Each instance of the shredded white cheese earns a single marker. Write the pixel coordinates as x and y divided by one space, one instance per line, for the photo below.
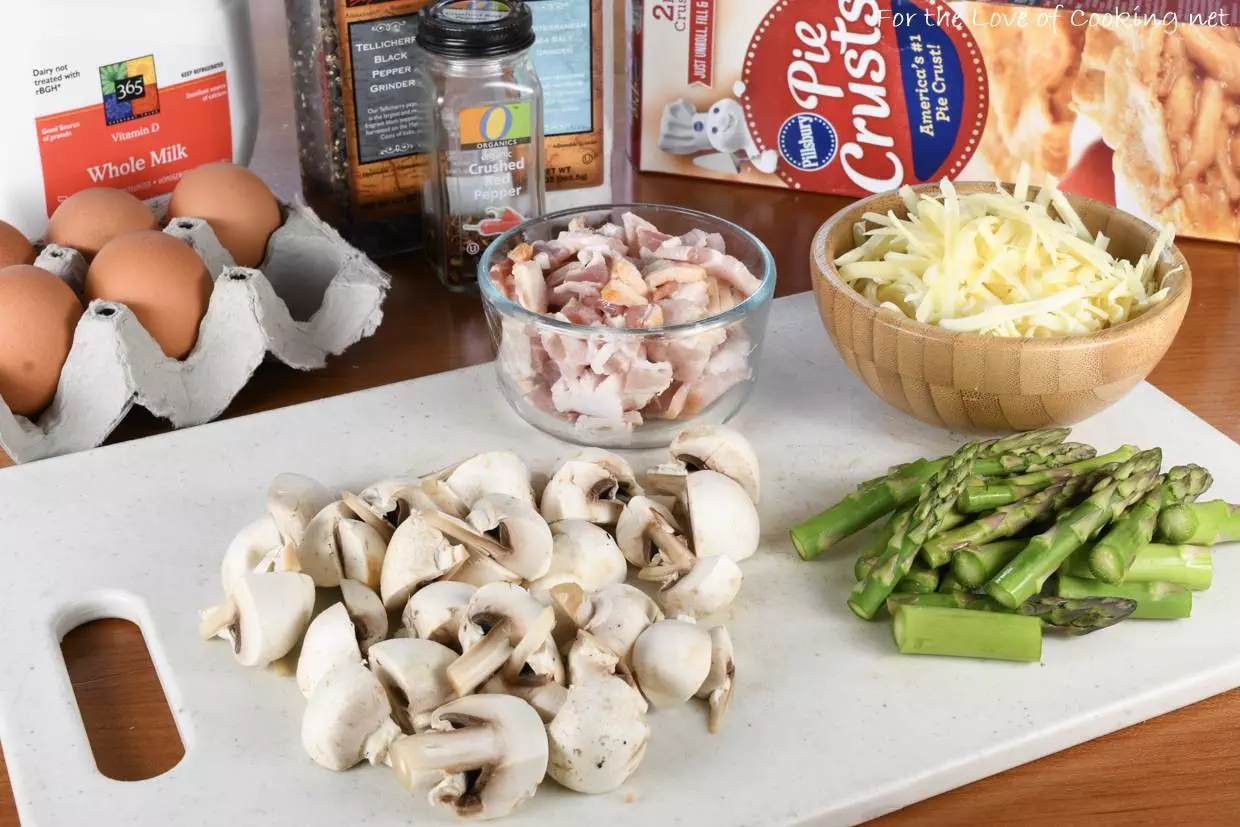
999 264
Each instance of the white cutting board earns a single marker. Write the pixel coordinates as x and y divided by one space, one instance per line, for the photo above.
829 724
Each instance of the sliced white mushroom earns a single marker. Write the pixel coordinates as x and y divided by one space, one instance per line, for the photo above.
264 617
668 478
330 642
592 486
495 472
532 657
671 661
709 587
248 549
360 511
479 570
348 720
517 527
319 550
546 698
722 518
651 539
572 607
293 501
395 498
442 497
492 750
362 549
717 688
436 610
721 449
619 615
599 737
417 555
366 610
584 554
415 675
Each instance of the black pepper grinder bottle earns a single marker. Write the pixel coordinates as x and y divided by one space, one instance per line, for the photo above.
486 146
363 118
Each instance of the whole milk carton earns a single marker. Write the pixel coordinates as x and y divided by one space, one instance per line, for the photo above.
1136 105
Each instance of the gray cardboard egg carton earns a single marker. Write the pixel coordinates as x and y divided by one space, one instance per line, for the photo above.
314 296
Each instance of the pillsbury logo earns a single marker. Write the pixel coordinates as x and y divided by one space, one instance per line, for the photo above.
807 141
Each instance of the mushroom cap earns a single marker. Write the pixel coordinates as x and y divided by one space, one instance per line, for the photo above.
273 611
617 465
621 613
292 501
582 490
330 642
599 737
417 554
710 586
348 719
722 449
246 551
362 549
436 610
319 551
523 533
495 472
394 499
415 675
640 517
582 553
498 737
671 661
366 610
723 518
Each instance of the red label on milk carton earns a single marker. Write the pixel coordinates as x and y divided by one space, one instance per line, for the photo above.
861 96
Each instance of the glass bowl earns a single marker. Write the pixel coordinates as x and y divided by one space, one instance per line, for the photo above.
634 388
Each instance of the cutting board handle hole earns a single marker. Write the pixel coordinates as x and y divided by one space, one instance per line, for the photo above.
132 733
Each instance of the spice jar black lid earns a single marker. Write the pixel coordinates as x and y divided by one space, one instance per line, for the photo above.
475 28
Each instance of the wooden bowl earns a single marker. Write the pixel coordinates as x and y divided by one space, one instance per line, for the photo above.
969 382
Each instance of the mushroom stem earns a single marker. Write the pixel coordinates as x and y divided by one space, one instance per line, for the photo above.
481 661
459 750
534 639
217 619
460 532
364 513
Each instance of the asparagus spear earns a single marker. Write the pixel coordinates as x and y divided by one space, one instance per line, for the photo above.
975 565
903 484
1155 601
921 579
1113 555
1200 524
1021 578
1034 459
948 583
987 496
1187 566
929 630
1007 521
859 509
875 549
911 531
1074 616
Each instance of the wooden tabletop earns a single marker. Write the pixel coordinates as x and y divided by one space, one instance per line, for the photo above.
1180 768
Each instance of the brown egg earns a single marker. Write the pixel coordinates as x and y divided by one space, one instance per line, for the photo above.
90 219
38 314
161 279
15 248
235 202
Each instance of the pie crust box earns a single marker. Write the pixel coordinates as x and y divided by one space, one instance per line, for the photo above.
1134 104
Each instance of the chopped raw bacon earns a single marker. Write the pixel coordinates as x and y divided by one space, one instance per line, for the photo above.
625 276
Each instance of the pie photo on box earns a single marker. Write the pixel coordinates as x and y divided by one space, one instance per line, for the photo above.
1167 100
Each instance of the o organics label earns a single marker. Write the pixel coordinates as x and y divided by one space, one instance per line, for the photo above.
485 127
861 96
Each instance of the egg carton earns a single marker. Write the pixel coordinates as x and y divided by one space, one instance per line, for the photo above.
314 296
